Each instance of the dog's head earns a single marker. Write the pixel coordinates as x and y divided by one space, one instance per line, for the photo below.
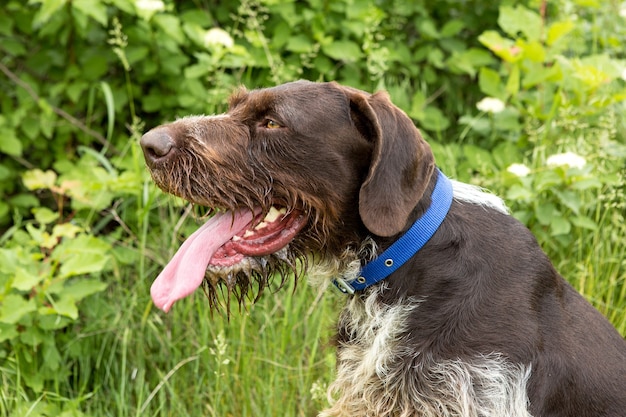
298 173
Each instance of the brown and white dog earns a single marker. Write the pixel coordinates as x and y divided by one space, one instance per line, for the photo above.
320 179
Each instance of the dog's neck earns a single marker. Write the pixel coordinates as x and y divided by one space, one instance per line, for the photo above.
406 245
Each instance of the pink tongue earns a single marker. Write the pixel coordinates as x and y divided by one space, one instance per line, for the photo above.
185 272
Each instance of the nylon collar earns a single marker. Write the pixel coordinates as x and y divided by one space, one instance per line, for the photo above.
407 245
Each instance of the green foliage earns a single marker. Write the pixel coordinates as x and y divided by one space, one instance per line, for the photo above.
41 295
498 88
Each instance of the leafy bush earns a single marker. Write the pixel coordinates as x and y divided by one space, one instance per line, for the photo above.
495 87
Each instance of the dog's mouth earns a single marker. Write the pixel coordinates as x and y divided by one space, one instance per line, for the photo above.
229 240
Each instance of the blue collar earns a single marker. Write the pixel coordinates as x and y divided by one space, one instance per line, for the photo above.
408 244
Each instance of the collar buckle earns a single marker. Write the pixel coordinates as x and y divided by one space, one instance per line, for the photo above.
344 286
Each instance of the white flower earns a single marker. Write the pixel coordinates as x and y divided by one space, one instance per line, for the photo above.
622 11
490 105
568 158
623 74
217 36
520 170
150 5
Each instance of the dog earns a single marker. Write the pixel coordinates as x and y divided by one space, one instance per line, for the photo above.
452 308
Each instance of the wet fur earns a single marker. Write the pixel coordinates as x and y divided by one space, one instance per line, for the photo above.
477 323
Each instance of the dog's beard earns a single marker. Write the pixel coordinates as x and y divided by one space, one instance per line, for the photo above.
248 280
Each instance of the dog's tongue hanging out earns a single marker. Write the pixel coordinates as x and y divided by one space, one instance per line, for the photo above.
223 241
185 272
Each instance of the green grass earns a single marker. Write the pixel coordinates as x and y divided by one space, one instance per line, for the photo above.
125 358
128 359
187 363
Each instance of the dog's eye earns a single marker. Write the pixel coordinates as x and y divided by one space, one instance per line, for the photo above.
271 124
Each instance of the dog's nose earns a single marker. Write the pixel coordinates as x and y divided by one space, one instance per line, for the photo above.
156 145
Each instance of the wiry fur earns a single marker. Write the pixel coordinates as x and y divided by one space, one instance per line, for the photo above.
455 331
379 375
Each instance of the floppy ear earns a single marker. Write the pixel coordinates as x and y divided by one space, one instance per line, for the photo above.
401 166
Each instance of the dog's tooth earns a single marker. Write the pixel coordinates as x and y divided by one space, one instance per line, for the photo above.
260 226
274 214
248 233
237 238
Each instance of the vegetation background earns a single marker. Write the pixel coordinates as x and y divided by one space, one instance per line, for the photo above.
83 231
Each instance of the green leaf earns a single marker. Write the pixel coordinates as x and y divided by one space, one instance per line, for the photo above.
479 158
48 8
469 61
13 46
33 336
519 193
9 143
25 280
95 9
534 51
8 332
537 74
66 306
434 119
343 51
560 226
452 28
490 83
6 26
36 179
584 222
545 213
4 210
171 26
49 320
569 199
82 287
66 230
506 153
508 120
519 19
586 183
44 215
51 356
502 47
14 307
546 179
24 200
558 30
299 44
196 71
8 260
428 29
512 84
82 255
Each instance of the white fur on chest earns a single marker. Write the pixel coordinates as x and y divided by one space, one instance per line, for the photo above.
379 375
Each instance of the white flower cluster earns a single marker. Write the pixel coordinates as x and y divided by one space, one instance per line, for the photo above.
217 36
569 159
566 159
490 105
150 5
519 170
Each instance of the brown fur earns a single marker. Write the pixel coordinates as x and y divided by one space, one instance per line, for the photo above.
479 307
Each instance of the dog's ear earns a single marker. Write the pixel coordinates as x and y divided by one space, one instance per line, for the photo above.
401 166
